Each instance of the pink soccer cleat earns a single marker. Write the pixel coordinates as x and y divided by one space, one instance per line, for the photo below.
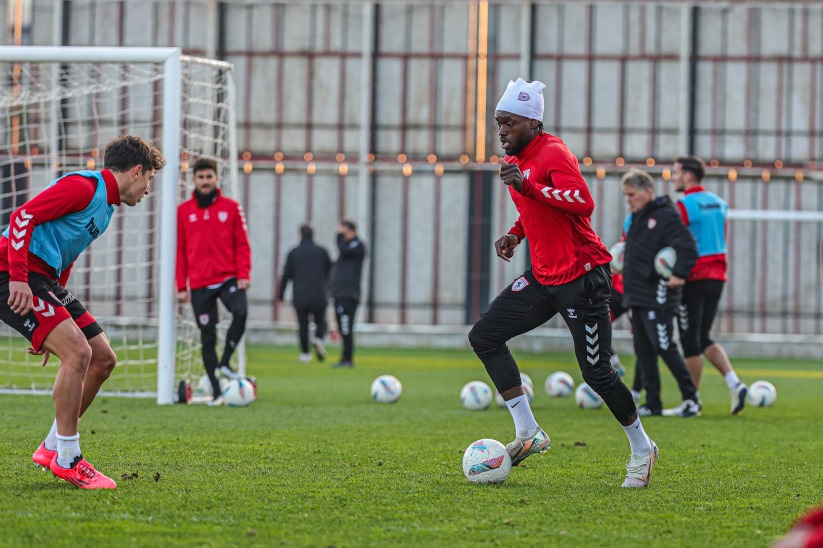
82 474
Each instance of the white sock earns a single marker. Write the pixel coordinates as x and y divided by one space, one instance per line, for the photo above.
68 448
524 423
638 439
51 439
732 379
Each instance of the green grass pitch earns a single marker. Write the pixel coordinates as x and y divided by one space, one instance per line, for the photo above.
315 462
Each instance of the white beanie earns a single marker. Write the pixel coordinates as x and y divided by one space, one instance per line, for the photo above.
523 98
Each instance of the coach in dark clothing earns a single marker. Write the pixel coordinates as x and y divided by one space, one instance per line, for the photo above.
345 286
307 267
653 300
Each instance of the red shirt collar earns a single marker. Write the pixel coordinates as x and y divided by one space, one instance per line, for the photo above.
112 188
692 190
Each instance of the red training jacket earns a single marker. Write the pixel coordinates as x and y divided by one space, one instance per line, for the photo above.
212 243
555 208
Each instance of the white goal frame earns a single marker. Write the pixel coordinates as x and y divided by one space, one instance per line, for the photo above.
170 59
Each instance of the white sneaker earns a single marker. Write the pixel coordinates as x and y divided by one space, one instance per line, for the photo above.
687 409
639 468
230 373
519 449
215 402
305 358
320 349
739 398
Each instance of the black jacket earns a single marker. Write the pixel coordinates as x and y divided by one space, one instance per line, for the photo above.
307 267
345 277
651 229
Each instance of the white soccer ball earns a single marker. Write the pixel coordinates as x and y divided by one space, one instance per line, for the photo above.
238 393
487 461
617 251
587 398
762 394
525 379
664 261
527 389
204 386
559 384
476 396
386 389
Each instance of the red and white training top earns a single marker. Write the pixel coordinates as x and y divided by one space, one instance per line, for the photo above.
555 208
212 243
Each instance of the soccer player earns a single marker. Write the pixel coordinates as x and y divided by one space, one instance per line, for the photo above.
345 286
653 224
705 214
37 251
570 276
213 262
307 267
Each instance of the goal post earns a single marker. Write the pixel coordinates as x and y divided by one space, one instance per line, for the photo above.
58 108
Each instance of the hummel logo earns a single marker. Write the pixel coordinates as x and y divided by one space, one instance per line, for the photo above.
572 312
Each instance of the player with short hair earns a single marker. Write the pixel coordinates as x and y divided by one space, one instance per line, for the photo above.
570 276
213 262
345 286
653 300
307 269
37 251
704 213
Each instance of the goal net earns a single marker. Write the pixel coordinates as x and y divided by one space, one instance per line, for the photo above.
58 109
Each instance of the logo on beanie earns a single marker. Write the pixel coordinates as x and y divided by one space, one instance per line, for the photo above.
523 96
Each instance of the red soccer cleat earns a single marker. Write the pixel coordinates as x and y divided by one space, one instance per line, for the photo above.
42 457
82 474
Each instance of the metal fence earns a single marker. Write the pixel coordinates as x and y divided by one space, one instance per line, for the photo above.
383 112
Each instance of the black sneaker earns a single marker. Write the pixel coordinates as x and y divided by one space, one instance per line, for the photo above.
343 364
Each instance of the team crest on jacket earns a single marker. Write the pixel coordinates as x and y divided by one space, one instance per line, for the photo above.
652 223
520 283
223 216
526 173
203 319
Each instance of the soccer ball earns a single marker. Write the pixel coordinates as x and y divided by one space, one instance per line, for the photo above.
762 394
559 384
527 388
587 398
487 461
476 396
204 386
617 251
525 379
238 393
664 261
386 389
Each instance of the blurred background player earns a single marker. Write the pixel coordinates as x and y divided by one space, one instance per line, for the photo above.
653 224
345 286
307 268
569 275
705 214
213 262
47 235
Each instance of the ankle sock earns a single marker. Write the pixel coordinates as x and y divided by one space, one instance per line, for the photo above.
68 449
639 441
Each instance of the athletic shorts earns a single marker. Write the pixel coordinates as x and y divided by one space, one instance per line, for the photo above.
52 306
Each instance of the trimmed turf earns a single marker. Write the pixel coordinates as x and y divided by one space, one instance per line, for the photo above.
315 462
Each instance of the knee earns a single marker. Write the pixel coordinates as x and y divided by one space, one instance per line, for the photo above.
480 338
705 343
239 316
208 335
102 363
601 379
77 356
